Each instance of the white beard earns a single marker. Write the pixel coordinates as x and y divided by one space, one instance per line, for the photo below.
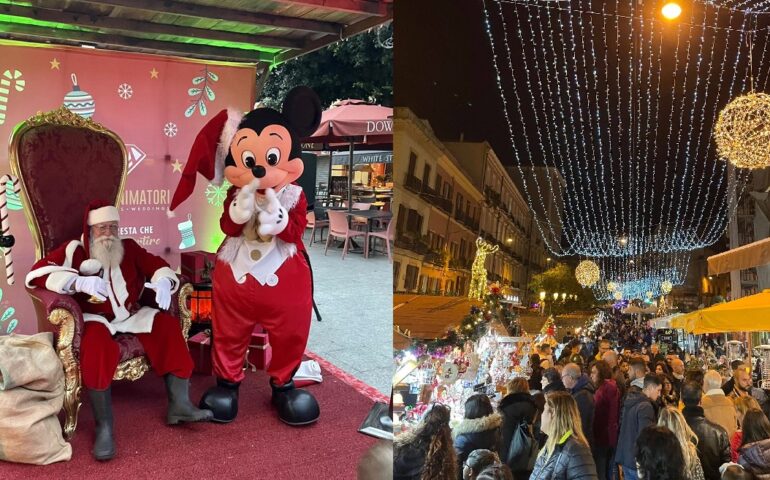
108 251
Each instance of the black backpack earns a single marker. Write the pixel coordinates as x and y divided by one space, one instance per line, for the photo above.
522 451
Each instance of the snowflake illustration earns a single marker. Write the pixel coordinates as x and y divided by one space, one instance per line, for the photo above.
125 91
216 195
170 129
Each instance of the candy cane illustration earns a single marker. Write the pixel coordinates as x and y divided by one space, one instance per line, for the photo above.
5 224
5 89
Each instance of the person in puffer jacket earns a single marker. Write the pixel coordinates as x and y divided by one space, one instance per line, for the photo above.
515 408
566 455
754 454
479 429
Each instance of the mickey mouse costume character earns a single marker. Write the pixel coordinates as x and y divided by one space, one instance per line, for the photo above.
261 275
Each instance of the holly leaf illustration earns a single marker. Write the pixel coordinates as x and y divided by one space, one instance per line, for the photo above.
213 76
210 93
194 91
190 110
197 80
202 107
7 314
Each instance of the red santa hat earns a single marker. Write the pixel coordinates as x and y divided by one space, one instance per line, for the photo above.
98 211
207 155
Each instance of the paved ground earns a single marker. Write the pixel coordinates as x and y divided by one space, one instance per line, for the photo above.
355 297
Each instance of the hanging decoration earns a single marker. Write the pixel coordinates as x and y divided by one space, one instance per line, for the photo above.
587 273
614 106
666 287
478 270
742 133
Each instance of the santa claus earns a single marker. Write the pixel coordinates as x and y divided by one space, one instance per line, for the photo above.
106 275
262 274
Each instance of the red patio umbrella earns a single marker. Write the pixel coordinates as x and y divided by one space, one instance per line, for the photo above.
354 122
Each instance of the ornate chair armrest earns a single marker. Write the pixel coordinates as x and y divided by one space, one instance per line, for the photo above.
180 304
59 314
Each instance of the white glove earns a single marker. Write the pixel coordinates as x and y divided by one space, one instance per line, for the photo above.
273 218
244 205
162 292
94 286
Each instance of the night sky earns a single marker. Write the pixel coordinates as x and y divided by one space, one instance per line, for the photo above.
444 73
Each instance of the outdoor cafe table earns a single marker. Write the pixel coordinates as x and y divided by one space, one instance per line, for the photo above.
369 215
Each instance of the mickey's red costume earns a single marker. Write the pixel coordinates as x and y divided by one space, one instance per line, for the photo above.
261 275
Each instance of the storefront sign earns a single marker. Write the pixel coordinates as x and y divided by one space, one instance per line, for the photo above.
362 158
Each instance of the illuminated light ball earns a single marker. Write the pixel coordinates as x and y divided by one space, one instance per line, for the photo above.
611 286
671 10
742 132
587 273
618 296
666 287
648 294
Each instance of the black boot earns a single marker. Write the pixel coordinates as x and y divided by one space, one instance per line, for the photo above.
222 400
180 409
295 407
101 405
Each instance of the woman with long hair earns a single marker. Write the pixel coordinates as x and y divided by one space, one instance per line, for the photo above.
519 411
754 454
742 405
480 428
606 417
668 395
427 452
671 418
566 454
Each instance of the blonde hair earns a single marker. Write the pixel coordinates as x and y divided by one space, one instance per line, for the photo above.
743 405
564 417
517 385
673 419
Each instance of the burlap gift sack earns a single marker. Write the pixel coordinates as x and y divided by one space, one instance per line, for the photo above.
31 395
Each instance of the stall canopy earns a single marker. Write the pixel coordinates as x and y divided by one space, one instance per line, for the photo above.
633 309
740 258
747 314
259 31
664 322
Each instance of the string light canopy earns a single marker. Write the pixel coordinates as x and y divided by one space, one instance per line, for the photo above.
742 133
587 273
621 102
636 277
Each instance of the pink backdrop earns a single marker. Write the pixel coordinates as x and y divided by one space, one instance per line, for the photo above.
156 104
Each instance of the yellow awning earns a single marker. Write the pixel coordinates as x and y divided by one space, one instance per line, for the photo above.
747 314
740 258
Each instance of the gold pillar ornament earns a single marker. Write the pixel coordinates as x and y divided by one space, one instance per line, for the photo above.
742 132
587 273
478 270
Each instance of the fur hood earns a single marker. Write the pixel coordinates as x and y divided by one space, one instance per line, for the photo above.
476 425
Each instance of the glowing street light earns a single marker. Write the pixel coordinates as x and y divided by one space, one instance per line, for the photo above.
555 296
563 296
542 295
671 10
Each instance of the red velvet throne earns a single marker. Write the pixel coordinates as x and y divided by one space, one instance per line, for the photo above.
64 161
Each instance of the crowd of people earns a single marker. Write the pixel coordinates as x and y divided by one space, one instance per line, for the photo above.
607 412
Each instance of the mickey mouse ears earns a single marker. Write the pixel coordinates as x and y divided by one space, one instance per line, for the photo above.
302 108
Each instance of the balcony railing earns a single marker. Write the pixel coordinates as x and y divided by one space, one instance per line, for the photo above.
416 245
412 183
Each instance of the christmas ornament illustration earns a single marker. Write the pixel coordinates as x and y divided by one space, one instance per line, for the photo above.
216 195
125 91
200 89
7 81
186 230
170 129
79 101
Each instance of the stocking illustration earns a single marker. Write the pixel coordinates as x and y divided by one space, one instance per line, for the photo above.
186 230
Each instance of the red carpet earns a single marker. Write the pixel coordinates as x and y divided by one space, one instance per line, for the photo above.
255 446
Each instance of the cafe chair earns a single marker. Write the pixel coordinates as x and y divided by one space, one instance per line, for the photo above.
312 224
386 235
59 148
338 228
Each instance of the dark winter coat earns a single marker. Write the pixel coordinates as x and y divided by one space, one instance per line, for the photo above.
514 408
636 414
607 414
570 460
476 433
408 462
583 393
713 444
755 457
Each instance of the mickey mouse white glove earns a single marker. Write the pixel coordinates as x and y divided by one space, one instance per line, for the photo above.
244 205
162 292
94 286
273 218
